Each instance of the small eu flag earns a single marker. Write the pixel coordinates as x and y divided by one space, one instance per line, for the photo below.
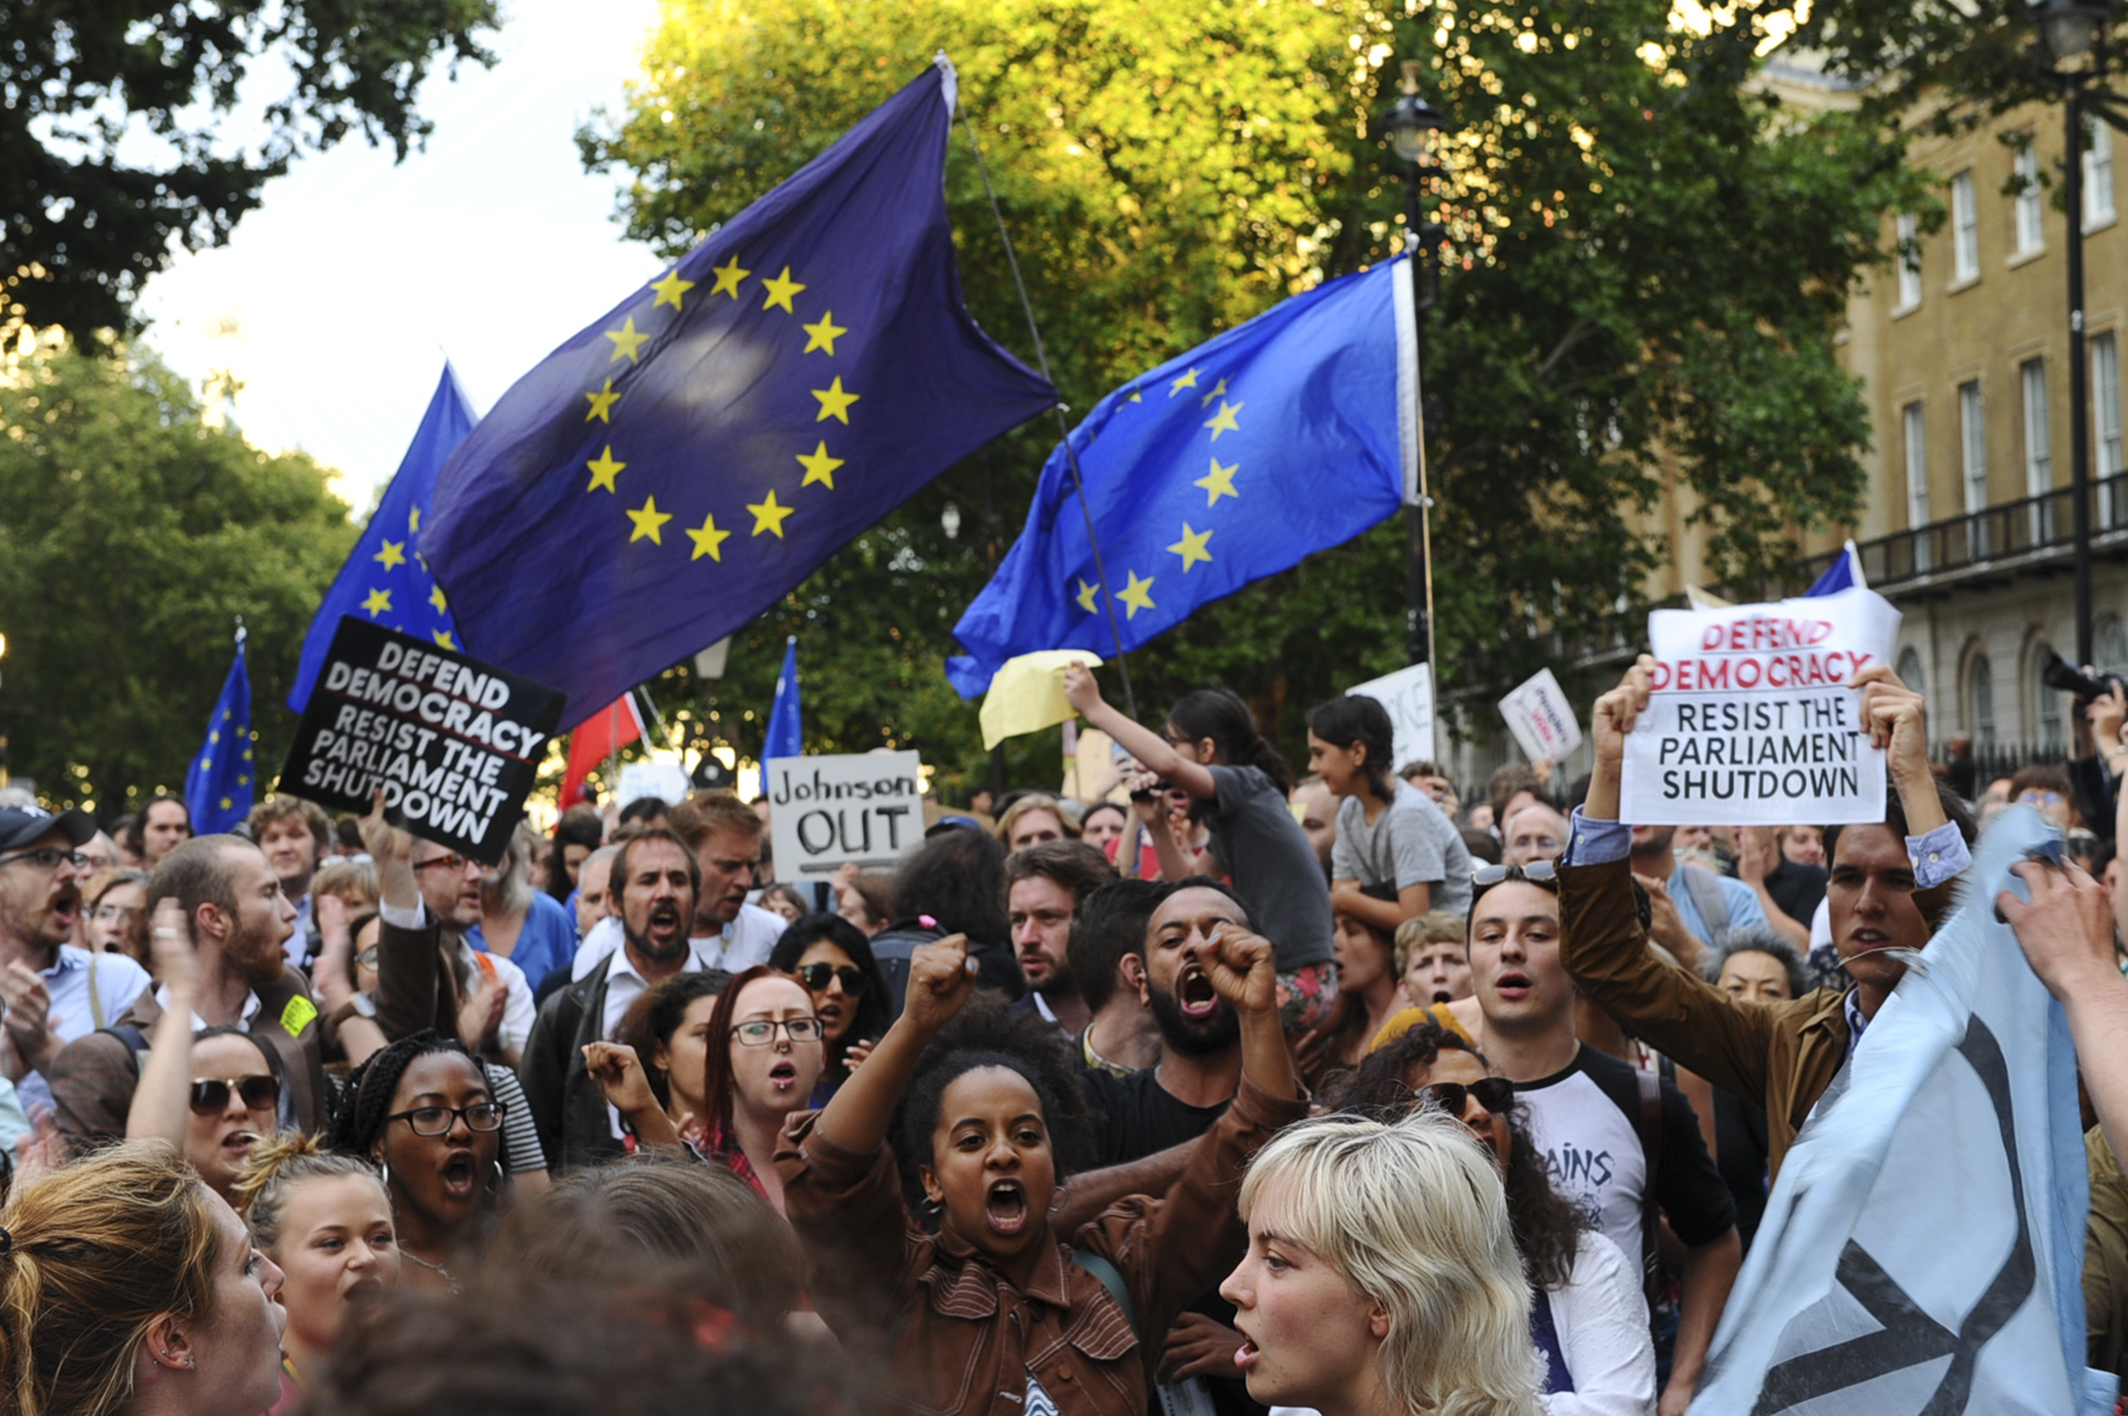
786 733
1284 436
686 461
385 580
218 786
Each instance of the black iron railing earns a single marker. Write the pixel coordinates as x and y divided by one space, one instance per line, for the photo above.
2037 527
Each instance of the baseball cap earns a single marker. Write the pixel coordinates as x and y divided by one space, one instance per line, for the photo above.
20 825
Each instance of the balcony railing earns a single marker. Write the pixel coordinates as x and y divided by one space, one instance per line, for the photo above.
2036 529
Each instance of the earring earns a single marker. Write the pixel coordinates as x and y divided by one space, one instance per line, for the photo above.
384 1173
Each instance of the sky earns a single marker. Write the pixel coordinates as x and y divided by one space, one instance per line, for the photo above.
336 302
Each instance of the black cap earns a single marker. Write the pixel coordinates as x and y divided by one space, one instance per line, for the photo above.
21 825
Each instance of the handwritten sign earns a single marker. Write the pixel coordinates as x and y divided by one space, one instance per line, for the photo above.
1542 719
823 811
1750 722
1407 694
454 743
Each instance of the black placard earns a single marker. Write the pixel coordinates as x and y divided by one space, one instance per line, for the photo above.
455 743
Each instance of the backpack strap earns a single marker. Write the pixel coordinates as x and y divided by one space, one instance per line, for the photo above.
1649 1125
95 997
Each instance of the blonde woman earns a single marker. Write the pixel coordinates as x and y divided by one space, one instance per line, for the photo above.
1382 1277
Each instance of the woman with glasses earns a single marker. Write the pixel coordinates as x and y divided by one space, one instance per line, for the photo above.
424 1112
116 914
765 1057
833 959
1587 1315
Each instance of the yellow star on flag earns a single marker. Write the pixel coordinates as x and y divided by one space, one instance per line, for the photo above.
436 599
709 541
728 277
1223 420
768 516
602 404
626 340
1134 398
394 553
819 467
378 602
823 334
1086 596
1217 483
413 518
1206 401
1188 380
225 803
647 519
780 290
213 736
1137 594
442 638
1191 547
604 471
670 289
834 403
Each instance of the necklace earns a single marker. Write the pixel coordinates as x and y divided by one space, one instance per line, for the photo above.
457 1289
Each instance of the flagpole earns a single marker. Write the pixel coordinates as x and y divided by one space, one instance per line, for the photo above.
1071 456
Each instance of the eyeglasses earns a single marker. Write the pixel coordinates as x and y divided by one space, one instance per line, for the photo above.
2040 798
453 861
367 958
104 914
49 858
210 1096
482 1116
761 1031
817 976
1495 1094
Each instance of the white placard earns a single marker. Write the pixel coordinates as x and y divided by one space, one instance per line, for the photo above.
1541 718
667 781
1408 695
1749 723
823 811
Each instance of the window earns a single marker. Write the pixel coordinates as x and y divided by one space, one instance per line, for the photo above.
1973 446
2109 645
2106 400
1917 496
1909 262
1910 672
2039 449
2030 236
2046 702
1965 229
1980 702
2098 173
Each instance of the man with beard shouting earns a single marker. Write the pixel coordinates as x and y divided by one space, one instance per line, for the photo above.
239 920
654 884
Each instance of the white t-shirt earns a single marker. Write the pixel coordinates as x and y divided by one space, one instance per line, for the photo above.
519 1011
1601 1318
748 940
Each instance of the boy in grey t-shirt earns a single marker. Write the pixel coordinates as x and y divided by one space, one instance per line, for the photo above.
1410 843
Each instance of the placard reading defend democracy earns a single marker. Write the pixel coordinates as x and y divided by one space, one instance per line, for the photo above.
867 808
1750 722
455 743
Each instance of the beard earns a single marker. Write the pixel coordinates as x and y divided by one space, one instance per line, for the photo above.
647 946
257 955
1197 1037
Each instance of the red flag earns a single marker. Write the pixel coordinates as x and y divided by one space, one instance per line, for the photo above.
597 738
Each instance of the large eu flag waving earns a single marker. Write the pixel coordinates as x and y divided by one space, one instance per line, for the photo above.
684 462
1284 436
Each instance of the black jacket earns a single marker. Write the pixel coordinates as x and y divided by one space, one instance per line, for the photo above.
568 1109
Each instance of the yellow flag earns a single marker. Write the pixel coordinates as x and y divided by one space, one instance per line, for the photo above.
1027 694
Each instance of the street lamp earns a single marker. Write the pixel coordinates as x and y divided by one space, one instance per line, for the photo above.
2075 30
1413 129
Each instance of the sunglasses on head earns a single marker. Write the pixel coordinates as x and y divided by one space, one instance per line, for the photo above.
817 977
1540 873
1495 1094
210 1097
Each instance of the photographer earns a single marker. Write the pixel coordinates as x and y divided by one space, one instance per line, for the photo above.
2098 756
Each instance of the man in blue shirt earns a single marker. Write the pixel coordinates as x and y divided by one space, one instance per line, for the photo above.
1708 905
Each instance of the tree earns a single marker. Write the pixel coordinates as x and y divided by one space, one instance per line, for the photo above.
131 537
114 119
1649 265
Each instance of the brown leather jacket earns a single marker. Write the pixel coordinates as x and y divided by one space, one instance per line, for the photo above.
963 1339
1780 1055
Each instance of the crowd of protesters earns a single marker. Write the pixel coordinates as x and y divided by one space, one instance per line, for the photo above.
1223 1091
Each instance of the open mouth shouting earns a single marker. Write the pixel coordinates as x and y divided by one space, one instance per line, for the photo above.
664 919
1006 1208
1246 1355
1195 994
1513 985
458 1177
783 1076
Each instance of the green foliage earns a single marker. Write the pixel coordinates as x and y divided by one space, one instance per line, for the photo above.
131 536
1648 264
83 224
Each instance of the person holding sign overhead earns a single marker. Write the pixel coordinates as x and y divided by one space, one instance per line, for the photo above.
1890 887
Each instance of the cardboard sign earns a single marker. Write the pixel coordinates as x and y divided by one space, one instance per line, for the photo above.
1408 695
454 743
823 811
1750 723
1542 719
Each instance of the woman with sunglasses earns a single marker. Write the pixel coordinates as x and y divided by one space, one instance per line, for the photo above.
764 1059
1587 1315
424 1112
833 959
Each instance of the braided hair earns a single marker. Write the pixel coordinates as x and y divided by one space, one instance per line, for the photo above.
360 1117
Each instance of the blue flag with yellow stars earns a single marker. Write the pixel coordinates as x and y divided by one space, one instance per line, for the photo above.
683 463
385 580
1286 435
218 785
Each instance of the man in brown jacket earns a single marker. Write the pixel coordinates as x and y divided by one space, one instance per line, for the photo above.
1890 884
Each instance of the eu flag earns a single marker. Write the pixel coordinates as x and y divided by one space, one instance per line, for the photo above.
1284 436
786 732
384 579
686 461
218 784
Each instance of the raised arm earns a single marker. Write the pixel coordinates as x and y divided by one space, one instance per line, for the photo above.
2067 935
1154 752
160 1107
941 976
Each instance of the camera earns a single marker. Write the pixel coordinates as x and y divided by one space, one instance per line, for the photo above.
1151 790
2063 676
